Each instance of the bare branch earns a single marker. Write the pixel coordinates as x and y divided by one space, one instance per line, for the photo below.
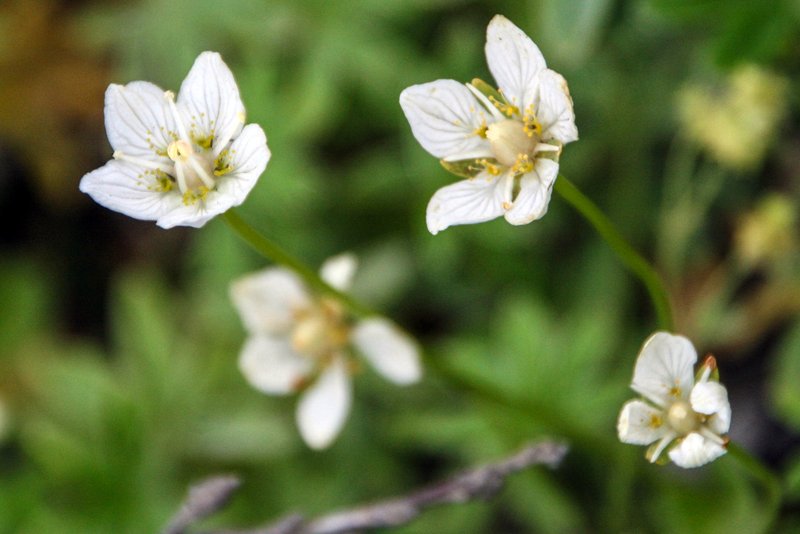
205 498
478 483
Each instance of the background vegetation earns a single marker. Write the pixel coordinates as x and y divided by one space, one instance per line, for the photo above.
118 344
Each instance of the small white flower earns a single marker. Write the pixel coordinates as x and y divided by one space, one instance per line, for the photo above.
693 416
302 343
179 162
506 142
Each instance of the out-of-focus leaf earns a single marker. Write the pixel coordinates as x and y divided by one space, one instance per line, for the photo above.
785 391
27 304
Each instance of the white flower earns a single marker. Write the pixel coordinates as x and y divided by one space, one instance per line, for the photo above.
298 342
506 142
179 162
693 416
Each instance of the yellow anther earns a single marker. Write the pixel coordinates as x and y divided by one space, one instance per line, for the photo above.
507 109
490 167
481 130
179 150
523 164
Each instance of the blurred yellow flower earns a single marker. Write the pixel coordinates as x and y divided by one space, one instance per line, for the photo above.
768 233
737 123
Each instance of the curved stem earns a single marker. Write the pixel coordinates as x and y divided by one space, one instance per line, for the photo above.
764 475
629 257
273 252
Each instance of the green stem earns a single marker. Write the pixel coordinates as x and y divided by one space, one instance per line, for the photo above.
629 257
273 252
764 475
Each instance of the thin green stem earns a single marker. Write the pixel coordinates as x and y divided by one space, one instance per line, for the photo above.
629 257
273 252
764 475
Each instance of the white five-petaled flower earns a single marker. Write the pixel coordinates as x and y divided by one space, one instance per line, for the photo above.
505 142
302 343
691 413
179 161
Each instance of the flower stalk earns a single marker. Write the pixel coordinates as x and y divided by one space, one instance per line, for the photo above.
624 251
272 252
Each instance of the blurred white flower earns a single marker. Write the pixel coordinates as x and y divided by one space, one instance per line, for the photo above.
693 416
301 343
179 162
505 142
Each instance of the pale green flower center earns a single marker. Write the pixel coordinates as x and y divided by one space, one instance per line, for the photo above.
682 418
510 142
320 331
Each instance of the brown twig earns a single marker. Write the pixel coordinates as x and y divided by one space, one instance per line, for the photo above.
477 483
205 498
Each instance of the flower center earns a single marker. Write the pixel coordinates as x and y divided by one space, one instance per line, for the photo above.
510 141
194 171
682 418
320 331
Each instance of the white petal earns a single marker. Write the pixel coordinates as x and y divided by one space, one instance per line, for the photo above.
554 109
712 398
663 369
469 201
249 156
139 122
270 365
640 424
444 118
534 193
209 99
323 408
695 450
128 189
339 270
194 215
390 351
514 61
267 300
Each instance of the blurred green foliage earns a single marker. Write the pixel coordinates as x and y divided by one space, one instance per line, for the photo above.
118 344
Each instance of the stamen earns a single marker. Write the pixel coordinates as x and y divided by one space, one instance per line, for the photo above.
709 435
147 164
508 191
170 96
181 177
708 367
666 440
486 102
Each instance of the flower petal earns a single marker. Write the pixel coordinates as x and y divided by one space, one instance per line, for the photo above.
129 189
209 99
514 61
390 351
534 193
270 365
554 108
711 398
695 450
640 424
445 118
469 201
267 300
663 369
248 158
323 408
339 270
139 122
